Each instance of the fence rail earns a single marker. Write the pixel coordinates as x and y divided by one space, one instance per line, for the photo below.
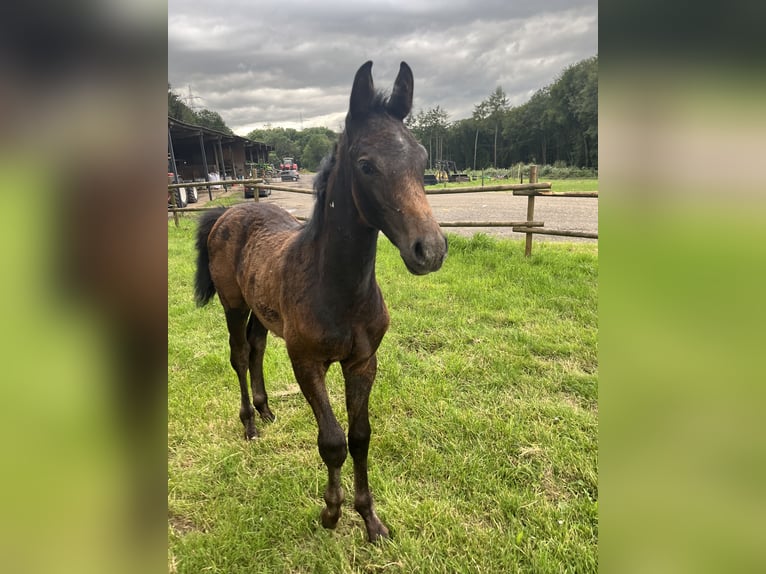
528 226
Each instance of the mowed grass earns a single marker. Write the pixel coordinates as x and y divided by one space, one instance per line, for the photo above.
484 415
557 185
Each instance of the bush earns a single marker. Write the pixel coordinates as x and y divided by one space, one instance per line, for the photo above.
559 170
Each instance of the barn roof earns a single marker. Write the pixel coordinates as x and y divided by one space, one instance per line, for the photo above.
181 130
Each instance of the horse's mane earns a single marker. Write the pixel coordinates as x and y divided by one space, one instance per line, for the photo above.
379 104
321 180
323 175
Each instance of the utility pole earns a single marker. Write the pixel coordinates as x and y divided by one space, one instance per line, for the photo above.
189 100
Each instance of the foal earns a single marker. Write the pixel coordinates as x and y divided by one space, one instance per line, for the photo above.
314 285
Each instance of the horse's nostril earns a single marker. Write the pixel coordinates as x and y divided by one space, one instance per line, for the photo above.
446 244
418 250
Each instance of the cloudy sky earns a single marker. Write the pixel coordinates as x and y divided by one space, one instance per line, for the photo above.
292 63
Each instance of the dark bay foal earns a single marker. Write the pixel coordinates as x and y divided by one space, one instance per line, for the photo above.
314 285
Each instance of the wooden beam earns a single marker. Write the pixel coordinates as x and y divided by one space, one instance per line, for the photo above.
477 189
557 194
304 190
491 223
562 232
206 183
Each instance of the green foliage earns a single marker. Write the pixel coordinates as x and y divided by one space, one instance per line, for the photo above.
430 127
297 144
316 148
484 414
212 120
559 123
563 171
205 118
179 110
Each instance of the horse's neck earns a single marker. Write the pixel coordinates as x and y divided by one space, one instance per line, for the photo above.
347 246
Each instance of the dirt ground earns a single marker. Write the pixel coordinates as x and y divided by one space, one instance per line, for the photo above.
569 213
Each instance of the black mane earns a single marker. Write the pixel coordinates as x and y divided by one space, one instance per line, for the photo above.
323 175
379 104
321 180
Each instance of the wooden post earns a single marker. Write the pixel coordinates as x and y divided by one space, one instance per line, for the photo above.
204 164
175 177
530 210
175 205
222 171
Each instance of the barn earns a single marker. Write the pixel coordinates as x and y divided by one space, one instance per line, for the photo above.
196 151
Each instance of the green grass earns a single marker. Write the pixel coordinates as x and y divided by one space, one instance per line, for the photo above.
484 415
587 184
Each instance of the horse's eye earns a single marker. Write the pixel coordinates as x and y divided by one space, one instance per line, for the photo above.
366 167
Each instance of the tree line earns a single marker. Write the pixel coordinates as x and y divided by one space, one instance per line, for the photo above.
558 125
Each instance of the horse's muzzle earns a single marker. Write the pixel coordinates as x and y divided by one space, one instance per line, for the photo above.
425 254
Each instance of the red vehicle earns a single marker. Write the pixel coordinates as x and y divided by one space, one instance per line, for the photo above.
288 170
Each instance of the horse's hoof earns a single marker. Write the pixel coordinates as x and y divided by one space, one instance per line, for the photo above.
251 434
377 532
329 520
265 413
268 416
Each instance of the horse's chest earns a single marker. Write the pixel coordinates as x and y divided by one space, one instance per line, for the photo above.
337 336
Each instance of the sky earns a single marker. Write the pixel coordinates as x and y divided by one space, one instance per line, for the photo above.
291 64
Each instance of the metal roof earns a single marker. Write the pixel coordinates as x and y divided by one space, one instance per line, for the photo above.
181 130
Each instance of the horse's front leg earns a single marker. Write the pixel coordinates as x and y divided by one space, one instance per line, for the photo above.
330 440
359 377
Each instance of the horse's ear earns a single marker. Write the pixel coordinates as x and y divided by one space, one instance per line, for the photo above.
362 92
400 102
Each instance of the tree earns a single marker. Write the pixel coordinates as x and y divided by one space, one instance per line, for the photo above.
179 110
574 96
495 107
430 128
479 116
316 148
212 120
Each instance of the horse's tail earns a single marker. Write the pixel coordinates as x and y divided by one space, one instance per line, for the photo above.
204 288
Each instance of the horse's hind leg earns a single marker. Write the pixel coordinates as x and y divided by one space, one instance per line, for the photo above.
256 337
236 321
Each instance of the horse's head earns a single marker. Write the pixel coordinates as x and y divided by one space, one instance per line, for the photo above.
388 165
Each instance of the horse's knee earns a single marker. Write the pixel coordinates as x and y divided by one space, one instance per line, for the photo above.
359 439
332 447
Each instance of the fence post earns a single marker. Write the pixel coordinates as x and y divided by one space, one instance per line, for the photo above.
174 205
530 210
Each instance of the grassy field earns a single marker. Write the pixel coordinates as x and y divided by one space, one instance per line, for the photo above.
589 184
484 449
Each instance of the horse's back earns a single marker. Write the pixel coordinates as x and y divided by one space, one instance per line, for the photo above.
246 242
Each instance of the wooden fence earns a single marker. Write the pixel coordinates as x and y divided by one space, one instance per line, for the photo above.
528 226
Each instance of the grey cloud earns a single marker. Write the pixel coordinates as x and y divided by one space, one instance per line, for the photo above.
271 62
